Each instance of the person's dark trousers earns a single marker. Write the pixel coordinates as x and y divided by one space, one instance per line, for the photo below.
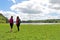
18 26
11 25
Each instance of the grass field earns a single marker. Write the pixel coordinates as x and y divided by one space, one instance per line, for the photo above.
30 32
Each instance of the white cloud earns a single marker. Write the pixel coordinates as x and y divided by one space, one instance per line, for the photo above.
14 1
54 4
32 6
8 14
54 1
35 10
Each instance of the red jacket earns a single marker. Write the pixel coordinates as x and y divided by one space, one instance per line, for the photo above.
11 20
17 21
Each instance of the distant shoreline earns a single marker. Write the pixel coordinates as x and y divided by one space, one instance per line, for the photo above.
39 23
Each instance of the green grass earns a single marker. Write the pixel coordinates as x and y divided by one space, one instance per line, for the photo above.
30 32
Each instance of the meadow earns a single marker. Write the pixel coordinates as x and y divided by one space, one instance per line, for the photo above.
30 32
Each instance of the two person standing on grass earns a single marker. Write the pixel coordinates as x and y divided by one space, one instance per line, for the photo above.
18 21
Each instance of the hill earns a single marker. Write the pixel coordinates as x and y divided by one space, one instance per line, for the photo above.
3 19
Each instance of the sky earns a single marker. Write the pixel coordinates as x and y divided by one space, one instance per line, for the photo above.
30 9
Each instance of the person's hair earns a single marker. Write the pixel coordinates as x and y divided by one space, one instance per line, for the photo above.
17 17
11 16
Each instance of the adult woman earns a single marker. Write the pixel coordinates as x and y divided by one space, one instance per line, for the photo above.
18 21
11 23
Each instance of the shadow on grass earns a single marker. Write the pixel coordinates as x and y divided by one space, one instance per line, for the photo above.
11 32
15 31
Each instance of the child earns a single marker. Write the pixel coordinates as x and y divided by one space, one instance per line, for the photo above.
18 21
11 23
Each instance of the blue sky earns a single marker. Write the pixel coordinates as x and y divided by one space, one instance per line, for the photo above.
31 9
6 4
